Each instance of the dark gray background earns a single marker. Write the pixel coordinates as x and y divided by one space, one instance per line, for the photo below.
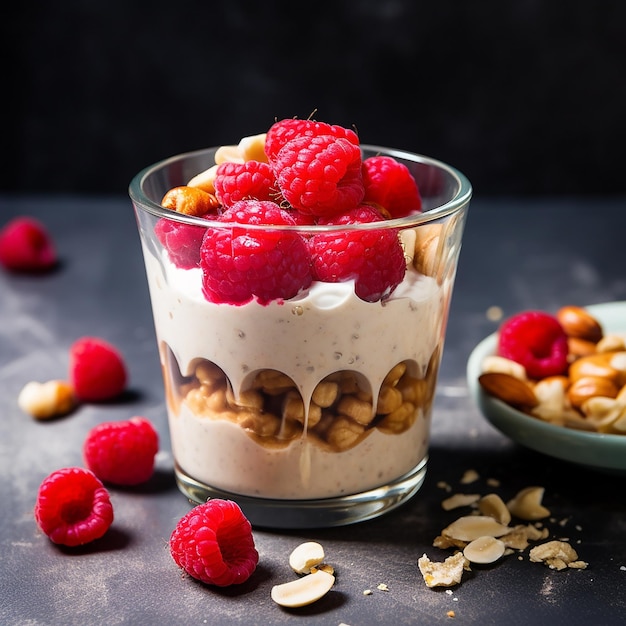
525 96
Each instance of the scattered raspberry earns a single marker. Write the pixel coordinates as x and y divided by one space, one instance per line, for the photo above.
122 453
97 371
374 258
239 264
285 130
213 543
391 185
537 341
73 507
26 246
241 181
182 242
320 175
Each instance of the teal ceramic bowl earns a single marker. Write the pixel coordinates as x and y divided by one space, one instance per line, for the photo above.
601 451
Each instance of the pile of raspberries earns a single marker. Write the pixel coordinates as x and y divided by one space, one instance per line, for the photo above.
314 174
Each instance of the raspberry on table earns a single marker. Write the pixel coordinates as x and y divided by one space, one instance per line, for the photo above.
26 246
537 341
73 507
182 242
320 175
122 453
373 258
241 181
239 264
97 370
285 130
213 543
389 184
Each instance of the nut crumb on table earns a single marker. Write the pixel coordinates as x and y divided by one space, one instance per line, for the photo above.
486 536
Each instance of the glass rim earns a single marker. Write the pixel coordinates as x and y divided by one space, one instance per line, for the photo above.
459 201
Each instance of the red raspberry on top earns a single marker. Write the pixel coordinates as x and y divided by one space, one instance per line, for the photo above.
373 258
26 246
285 130
182 242
391 185
537 341
73 507
320 175
213 543
241 181
97 371
122 453
239 264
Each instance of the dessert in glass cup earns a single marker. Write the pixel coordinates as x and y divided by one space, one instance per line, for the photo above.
300 285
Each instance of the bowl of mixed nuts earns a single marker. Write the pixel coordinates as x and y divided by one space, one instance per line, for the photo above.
556 383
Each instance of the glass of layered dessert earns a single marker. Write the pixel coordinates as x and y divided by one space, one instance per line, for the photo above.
300 285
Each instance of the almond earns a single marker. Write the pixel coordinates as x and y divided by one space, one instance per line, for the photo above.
580 347
426 248
508 388
577 322
611 343
596 365
589 387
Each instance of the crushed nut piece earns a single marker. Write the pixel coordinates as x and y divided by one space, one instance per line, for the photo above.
46 400
557 555
471 527
459 499
527 504
306 556
469 476
382 587
493 506
484 550
444 543
442 574
325 567
303 591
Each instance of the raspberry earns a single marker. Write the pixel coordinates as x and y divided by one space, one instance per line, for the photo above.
213 543
239 264
391 185
73 507
97 370
122 453
239 181
537 341
374 258
182 242
320 175
26 246
285 130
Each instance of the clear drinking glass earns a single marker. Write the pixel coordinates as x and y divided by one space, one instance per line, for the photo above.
313 411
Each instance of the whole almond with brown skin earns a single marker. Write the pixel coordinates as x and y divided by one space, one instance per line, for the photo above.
577 322
596 365
509 389
589 387
580 347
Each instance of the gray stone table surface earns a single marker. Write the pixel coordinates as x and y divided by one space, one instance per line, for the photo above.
517 254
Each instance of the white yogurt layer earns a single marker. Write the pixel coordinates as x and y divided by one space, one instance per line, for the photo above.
219 453
324 330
